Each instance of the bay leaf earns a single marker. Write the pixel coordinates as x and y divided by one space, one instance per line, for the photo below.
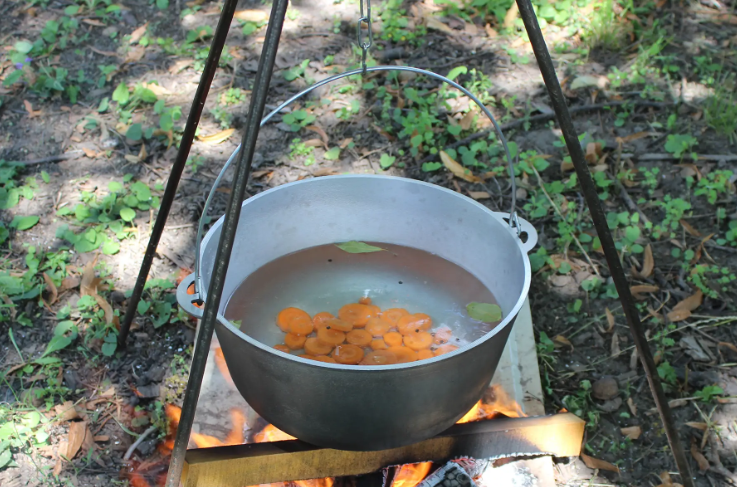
354 247
486 312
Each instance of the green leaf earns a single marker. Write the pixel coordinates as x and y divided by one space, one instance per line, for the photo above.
115 187
127 214
108 348
45 177
332 154
386 161
56 344
249 28
143 306
431 166
135 132
24 222
71 10
23 47
162 4
104 105
5 457
110 247
456 72
354 247
486 312
632 233
66 326
121 94
13 77
4 233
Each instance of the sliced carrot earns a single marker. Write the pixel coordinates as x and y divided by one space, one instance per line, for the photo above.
313 346
307 356
348 354
378 327
282 348
442 335
403 354
364 300
377 310
379 357
337 324
320 318
443 349
294 341
418 321
378 344
285 317
361 338
417 341
324 358
356 314
301 325
330 337
392 315
393 339
425 354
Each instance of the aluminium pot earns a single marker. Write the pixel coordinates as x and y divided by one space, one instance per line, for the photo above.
351 407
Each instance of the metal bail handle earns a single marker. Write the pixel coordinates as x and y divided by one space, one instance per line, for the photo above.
514 222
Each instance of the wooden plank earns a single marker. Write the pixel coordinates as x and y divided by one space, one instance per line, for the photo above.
260 463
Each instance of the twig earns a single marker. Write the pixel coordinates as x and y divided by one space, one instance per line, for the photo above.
557 210
59 157
544 117
136 443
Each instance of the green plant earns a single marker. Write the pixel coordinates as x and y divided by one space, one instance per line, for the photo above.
628 231
233 96
223 116
297 71
714 184
675 209
650 179
711 279
195 162
159 303
298 119
299 149
581 404
679 144
720 108
606 28
708 393
395 24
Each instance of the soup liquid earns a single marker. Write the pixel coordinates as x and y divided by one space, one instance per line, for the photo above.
325 278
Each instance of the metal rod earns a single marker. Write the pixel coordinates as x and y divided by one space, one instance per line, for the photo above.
227 237
193 120
607 242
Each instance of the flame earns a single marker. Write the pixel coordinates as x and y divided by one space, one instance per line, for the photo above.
411 474
326 482
222 366
271 433
495 402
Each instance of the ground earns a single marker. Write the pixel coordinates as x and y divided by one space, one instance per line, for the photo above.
93 100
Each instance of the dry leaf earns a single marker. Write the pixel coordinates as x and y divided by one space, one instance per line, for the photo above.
690 303
633 137
641 289
105 306
595 463
345 142
77 432
563 341
631 405
467 120
102 438
678 315
156 89
490 32
138 33
104 53
251 15
142 154
479 195
728 345
593 152
319 131
68 283
66 411
698 426
326 171
313 143
216 138
94 22
132 159
699 457
458 170
435 24
676 403
648 263
89 152
689 229
633 432
88 285
615 351
135 54
610 320
58 465
180 65
51 288
31 112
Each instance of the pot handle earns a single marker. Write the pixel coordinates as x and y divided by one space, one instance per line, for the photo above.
190 302
512 220
525 231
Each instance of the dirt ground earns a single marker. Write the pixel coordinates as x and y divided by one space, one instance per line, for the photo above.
656 107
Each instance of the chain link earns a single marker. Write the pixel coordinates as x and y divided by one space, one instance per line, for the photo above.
364 19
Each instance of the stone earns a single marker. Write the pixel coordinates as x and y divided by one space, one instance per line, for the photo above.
605 388
611 405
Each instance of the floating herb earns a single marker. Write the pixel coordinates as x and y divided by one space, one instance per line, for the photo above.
485 312
354 247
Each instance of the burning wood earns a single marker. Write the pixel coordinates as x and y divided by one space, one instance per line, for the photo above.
494 402
411 474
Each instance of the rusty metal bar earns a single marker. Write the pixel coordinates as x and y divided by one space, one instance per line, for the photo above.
588 188
559 435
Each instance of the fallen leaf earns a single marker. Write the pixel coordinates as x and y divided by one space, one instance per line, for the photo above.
467 120
138 33
68 283
105 306
94 22
479 195
51 288
88 285
180 65
641 289
216 138
142 154
104 53
435 24
31 112
690 303
563 341
648 263
728 345
66 411
595 463
134 54
458 170
678 315
631 405
109 392
689 229
344 143
101 438
156 89
326 171
698 426
58 465
593 152
313 143
609 319
699 457
354 247
89 152
490 32
251 15
319 131
632 432
77 432
633 137
676 403
615 350
587 81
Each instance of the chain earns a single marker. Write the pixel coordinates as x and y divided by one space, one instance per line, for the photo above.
364 20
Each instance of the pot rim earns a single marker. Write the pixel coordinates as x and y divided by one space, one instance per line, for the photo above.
380 368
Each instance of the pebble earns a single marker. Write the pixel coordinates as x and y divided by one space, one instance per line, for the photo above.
605 388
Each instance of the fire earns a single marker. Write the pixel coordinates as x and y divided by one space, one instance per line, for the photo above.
411 474
222 366
326 482
272 433
494 402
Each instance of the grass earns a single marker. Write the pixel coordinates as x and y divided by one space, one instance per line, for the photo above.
720 108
